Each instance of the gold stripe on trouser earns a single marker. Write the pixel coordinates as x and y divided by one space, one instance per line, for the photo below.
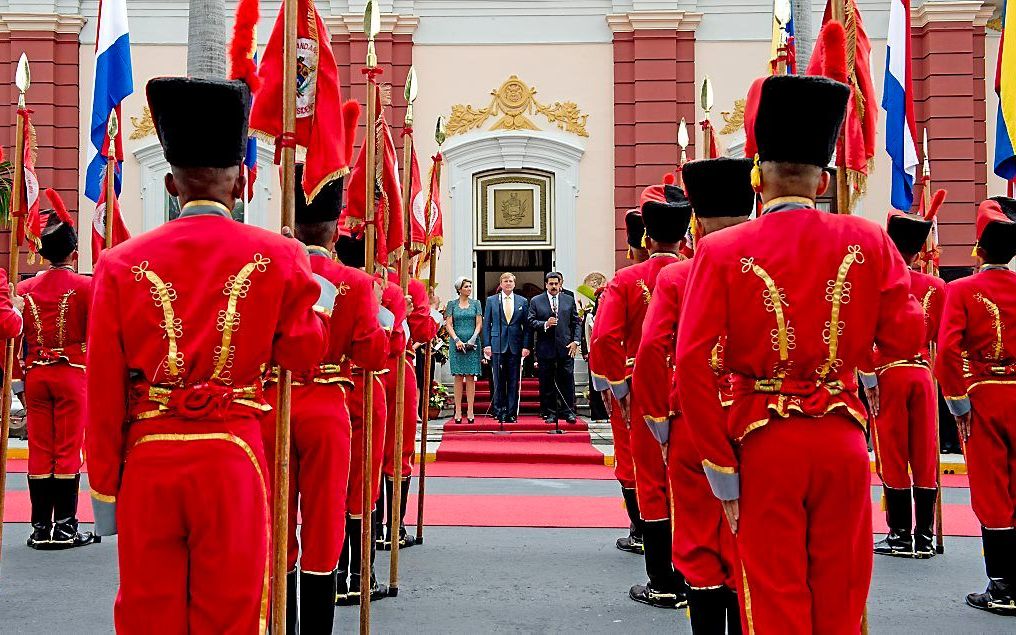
232 438
747 601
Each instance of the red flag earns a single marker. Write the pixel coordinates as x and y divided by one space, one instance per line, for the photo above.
120 232
388 192
319 113
862 109
712 148
28 205
418 218
435 225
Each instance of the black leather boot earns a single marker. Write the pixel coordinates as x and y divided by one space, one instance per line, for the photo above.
632 543
999 559
381 505
733 613
898 516
378 591
65 510
317 603
342 572
707 610
406 539
40 492
924 522
666 588
291 603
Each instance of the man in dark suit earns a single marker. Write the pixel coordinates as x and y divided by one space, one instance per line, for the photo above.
506 344
554 319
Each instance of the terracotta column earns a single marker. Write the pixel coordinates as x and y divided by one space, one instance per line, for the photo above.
654 86
51 43
949 94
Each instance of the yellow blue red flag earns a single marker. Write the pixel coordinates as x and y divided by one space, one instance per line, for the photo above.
1005 86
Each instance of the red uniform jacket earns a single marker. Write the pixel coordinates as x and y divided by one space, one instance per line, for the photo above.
184 320
620 320
422 327
354 333
974 345
798 321
10 319
653 379
393 300
56 304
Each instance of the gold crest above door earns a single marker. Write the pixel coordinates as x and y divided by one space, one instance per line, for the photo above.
514 102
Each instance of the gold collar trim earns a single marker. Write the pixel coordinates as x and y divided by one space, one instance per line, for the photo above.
801 200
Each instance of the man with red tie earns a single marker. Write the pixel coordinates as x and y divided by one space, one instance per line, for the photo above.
904 402
801 296
321 429
666 214
721 196
624 467
58 301
183 320
976 366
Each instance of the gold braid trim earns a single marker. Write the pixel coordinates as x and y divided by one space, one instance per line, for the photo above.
774 304
839 294
163 294
229 320
61 320
996 320
647 295
926 305
34 308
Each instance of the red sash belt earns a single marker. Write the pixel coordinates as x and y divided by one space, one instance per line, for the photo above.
810 397
200 401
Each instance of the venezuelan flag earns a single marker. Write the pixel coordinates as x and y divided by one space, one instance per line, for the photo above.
1005 86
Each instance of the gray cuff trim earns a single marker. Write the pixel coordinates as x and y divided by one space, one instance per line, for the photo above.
599 384
385 318
620 390
869 381
325 301
660 429
18 385
405 327
958 407
105 517
726 487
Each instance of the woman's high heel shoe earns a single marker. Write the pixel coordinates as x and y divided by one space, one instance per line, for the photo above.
470 421
458 420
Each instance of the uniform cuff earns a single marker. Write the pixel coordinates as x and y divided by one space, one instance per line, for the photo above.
868 380
326 300
660 427
436 316
958 406
598 382
18 385
620 389
385 318
104 511
724 481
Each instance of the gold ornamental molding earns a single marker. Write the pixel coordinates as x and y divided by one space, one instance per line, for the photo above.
143 125
46 22
734 120
513 102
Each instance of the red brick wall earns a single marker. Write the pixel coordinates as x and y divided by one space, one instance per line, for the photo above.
950 103
53 97
654 86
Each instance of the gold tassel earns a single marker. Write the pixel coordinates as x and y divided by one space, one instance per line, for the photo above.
631 254
882 503
645 235
756 175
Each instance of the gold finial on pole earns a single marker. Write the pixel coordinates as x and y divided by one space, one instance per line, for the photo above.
112 129
371 27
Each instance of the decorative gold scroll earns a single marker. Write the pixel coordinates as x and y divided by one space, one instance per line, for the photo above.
734 120
513 101
143 125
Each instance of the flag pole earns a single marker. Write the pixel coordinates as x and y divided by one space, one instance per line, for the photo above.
280 482
400 369
23 80
439 136
842 185
782 13
682 142
371 27
112 129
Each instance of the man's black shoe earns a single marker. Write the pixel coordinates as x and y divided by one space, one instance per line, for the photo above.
897 543
66 536
550 419
509 420
40 538
999 598
647 595
570 418
377 591
631 544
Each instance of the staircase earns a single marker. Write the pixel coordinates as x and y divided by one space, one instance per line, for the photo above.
529 399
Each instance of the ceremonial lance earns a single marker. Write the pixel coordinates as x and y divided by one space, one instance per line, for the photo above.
113 129
371 27
280 484
682 140
439 137
22 79
400 368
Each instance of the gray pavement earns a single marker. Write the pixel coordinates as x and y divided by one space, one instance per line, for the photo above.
475 580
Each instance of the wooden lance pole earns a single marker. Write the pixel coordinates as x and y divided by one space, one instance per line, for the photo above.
682 141
371 27
931 269
280 484
842 185
439 136
400 369
112 129
782 14
23 80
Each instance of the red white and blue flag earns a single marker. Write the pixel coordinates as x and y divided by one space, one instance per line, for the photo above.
112 81
898 102
250 160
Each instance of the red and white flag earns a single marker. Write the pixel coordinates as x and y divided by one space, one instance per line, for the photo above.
120 233
418 215
434 232
28 205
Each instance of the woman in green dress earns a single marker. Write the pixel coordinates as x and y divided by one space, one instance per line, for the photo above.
464 319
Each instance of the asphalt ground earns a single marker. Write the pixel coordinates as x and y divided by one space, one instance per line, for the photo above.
477 580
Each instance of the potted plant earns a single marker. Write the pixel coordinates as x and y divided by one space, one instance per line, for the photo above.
438 399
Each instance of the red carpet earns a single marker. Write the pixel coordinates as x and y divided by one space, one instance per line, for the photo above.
472 469
519 447
948 480
459 510
525 424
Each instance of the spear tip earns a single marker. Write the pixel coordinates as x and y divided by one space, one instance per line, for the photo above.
23 76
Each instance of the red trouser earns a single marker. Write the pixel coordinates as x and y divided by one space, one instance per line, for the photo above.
55 400
991 455
624 468
354 397
408 420
703 548
318 470
904 433
804 536
650 471
193 521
